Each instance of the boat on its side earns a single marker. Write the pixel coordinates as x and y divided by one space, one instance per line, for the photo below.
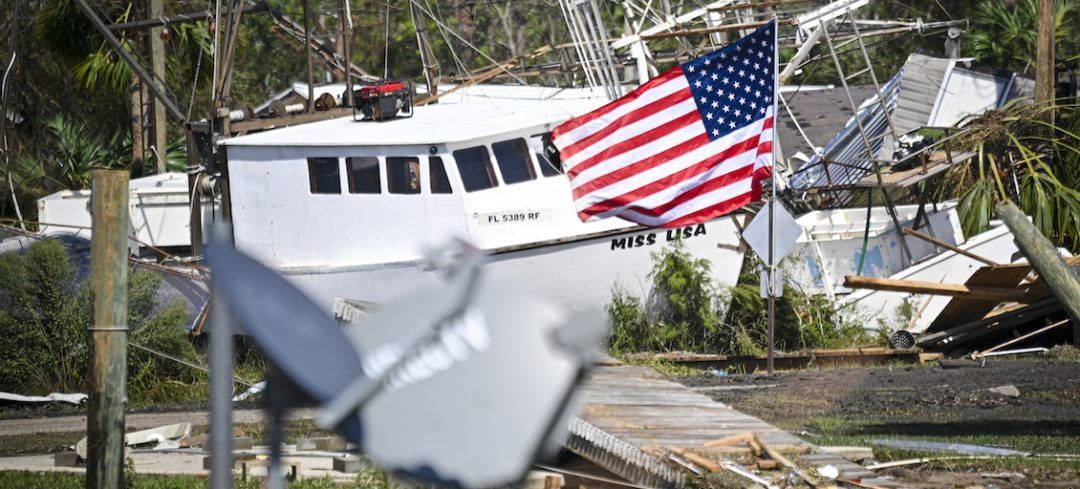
346 209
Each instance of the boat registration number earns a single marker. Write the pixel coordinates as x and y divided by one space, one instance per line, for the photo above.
511 217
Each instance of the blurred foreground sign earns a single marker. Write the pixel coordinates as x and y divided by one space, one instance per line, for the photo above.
786 231
470 387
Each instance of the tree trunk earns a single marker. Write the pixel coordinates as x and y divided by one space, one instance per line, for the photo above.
1045 78
138 144
465 11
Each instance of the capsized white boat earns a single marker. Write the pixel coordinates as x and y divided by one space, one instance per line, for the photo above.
347 209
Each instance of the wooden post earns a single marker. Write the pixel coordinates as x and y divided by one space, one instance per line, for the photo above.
1046 260
1044 52
108 333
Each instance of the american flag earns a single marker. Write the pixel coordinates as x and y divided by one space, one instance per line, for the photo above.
687 146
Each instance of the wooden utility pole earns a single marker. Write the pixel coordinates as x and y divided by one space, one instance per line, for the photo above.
1044 52
108 332
156 45
1046 260
307 56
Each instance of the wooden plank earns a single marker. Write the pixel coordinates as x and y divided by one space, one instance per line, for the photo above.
962 310
981 292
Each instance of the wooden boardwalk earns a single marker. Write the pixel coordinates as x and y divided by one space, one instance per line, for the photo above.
635 422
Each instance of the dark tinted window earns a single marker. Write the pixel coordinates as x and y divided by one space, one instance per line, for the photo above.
474 165
323 175
438 182
363 175
514 162
548 157
403 175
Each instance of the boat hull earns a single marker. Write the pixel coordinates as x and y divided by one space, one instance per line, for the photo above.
579 273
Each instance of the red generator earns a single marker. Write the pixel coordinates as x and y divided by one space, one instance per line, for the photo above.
383 100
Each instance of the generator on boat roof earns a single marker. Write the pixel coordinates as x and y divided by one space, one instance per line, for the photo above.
387 99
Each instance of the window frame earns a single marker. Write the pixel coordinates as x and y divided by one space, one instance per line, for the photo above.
379 175
540 151
312 161
493 176
445 174
406 160
519 148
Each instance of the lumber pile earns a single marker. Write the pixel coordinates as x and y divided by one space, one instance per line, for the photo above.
999 308
748 459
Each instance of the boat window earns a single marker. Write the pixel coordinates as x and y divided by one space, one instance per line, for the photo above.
324 175
403 175
363 175
474 165
438 182
514 162
547 155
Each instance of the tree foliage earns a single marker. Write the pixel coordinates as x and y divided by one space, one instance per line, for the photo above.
1003 33
686 311
1023 157
44 316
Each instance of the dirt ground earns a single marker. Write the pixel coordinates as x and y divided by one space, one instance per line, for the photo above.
852 406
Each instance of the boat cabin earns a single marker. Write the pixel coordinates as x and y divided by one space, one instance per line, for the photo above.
343 192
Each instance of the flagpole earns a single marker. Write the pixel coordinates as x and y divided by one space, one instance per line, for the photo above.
772 204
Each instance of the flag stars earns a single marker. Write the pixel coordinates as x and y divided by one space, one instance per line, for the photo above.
732 85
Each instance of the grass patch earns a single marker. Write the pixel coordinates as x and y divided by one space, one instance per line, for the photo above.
665 367
1051 438
37 443
1064 353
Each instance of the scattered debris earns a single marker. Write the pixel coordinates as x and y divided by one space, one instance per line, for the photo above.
923 460
932 446
145 437
76 399
829 472
1020 351
775 455
1006 390
735 468
854 454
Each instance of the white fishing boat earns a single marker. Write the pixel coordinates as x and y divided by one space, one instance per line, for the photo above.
346 209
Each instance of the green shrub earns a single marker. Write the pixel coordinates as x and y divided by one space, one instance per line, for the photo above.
687 312
44 321
681 312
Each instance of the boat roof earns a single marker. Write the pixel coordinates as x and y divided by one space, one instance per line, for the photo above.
471 113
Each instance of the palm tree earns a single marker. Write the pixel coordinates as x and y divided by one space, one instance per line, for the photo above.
63 29
1023 158
1003 32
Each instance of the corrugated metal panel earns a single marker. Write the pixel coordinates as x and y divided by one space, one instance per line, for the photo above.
922 76
846 154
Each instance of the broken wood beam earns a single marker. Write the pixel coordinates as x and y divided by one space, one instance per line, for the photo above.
998 294
782 460
485 76
1046 260
1019 339
949 247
